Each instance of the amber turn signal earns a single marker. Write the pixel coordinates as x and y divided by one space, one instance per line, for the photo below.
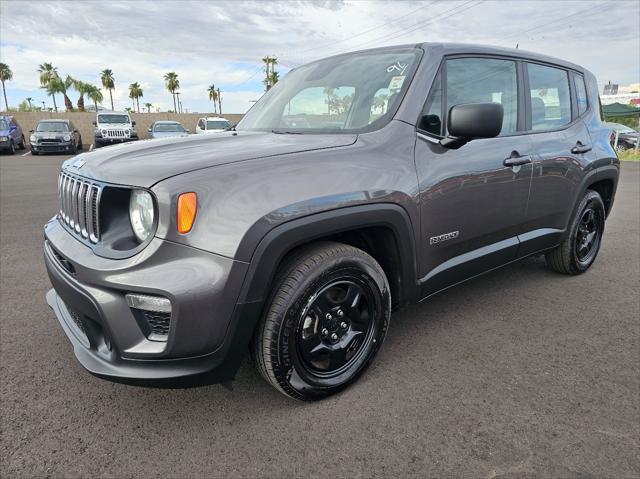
187 209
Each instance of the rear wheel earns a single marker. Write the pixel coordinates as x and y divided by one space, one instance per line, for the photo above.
578 252
23 144
325 321
12 147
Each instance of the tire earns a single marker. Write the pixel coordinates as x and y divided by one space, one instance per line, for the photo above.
34 153
23 144
12 148
80 144
621 148
324 323
578 252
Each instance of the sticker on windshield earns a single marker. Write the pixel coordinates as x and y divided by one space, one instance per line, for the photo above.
396 82
397 67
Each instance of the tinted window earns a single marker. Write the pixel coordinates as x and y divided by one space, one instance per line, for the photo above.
217 124
484 80
581 94
431 120
550 98
166 127
113 119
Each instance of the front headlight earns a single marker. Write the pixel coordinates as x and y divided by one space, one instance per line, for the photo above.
4 138
33 139
141 214
66 137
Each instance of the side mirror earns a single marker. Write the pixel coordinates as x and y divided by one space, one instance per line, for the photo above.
95 124
471 122
186 130
13 128
133 123
149 130
30 131
75 130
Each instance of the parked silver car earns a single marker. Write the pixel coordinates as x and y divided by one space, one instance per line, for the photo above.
166 129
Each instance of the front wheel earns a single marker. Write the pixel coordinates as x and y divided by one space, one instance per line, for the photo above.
23 144
12 148
578 252
325 321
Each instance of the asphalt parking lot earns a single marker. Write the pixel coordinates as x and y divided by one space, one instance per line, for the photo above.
521 373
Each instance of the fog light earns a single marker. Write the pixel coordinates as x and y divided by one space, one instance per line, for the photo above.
149 303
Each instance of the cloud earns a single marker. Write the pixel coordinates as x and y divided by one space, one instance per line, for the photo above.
223 42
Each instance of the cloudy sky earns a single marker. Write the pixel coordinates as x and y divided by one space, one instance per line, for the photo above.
221 42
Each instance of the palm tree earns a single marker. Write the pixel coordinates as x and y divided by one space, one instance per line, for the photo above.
148 105
55 85
5 75
128 109
173 84
135 93
48 73
29 100
269 70
213 96
96 95
274 77
82 88
68 83
108 82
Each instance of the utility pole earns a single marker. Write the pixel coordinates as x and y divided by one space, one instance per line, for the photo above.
179 108
219 102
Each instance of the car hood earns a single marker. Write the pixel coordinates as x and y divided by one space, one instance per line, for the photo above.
4 132
108 126
50 134
144 163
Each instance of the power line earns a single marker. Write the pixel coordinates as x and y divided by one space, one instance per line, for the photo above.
414 27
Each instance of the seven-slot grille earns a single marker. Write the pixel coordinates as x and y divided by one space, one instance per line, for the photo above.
116 133
79 205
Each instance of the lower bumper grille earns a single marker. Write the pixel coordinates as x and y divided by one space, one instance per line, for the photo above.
77 319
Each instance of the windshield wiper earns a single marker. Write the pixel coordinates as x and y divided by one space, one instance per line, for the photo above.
286 132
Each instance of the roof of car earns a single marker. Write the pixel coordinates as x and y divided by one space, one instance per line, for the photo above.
477 49
214 118
112 113
166 121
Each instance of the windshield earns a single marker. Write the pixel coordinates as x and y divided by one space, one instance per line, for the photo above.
4 125
52 126
165 127
113 119
217 124
349 93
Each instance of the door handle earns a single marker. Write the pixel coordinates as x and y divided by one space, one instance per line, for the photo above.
516 159
580 148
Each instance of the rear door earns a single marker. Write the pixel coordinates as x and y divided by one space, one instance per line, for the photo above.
556 101
473 203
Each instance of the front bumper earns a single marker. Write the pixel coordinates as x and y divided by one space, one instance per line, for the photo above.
88 298
99 140
51 147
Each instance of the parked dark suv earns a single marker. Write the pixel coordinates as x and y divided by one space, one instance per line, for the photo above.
415 168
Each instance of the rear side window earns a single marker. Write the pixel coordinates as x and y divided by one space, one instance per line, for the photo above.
484 80
581 94
550 97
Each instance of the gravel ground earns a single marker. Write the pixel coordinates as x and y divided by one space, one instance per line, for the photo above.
521 373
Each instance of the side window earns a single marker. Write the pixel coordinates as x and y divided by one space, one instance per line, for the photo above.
550 97
431 120
484 80
581 94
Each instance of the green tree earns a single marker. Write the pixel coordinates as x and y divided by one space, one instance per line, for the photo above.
135 93
96 95
82 88
49 73
68 83
213 96
148 105
173 85
29 100
108 82
5 75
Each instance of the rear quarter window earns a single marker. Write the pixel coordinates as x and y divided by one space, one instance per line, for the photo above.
581 94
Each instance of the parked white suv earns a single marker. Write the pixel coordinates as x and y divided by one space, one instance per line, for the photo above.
212 124
113 127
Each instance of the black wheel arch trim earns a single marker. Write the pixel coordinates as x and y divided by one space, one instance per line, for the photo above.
282 239
607 172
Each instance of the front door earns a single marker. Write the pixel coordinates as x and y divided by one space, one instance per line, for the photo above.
473 200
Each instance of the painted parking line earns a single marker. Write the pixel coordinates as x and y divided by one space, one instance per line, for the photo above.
27 153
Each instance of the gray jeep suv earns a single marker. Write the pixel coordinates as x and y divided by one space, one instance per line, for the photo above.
416 168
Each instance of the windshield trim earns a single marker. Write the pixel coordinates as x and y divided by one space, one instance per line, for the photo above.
375 125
